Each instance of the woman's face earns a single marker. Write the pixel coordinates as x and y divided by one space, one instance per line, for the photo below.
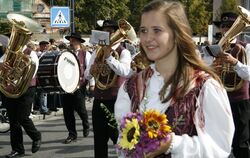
156 36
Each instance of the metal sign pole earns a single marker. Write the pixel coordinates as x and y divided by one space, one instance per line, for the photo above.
72 8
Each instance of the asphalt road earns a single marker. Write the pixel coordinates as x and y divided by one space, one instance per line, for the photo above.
54 132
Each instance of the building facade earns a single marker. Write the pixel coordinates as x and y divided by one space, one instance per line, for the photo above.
34 9
18 6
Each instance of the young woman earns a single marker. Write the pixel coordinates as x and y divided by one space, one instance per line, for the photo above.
179 84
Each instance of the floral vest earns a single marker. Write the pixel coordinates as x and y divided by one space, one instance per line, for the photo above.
180 113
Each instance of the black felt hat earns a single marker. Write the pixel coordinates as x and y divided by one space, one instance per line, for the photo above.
108 23
217 35
76 36
227 18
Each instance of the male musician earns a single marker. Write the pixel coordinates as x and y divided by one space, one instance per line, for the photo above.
239 99
42 96
18 110
76 101
102 130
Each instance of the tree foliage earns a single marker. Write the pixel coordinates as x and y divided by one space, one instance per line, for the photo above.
5 27
87 12
199 16
229 6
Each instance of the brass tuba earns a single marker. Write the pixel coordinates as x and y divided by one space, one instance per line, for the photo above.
18 68
104 76
225 69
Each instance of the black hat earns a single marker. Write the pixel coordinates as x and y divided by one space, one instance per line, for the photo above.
108 23
43 42
76 36
217 35
227 18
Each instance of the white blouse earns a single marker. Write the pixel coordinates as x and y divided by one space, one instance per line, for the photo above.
212 141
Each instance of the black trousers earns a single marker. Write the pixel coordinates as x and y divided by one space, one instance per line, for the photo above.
241 115
75 102
18 111
102 131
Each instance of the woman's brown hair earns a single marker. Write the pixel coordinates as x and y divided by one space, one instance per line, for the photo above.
188 58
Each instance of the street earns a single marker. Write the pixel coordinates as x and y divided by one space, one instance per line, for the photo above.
54 132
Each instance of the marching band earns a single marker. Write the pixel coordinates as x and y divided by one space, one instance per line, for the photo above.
128 74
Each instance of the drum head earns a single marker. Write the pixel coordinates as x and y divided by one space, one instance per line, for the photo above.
68 72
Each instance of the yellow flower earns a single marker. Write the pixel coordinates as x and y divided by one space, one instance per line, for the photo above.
156 124
130 134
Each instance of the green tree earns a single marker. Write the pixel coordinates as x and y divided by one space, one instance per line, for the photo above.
228 6
86 14
5 27
199 16
135 7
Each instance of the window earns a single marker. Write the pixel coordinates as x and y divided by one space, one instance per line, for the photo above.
17 5
6 6
26 5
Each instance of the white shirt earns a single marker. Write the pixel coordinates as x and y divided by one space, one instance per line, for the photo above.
34 58
213 141
121 66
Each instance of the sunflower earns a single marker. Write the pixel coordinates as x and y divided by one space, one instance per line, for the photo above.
130 134
156 124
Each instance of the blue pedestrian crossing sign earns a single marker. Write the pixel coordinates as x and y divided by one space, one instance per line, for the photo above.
60 17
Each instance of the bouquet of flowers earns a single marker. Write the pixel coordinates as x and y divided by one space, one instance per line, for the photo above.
142 133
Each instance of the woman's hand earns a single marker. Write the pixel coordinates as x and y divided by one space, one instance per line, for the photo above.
165 145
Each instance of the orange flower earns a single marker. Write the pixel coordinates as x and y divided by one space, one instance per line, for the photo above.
156 124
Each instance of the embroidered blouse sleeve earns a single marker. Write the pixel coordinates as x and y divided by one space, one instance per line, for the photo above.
215 138
122 104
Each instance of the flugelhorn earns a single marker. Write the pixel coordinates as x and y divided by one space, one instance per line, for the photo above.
225 69
105 77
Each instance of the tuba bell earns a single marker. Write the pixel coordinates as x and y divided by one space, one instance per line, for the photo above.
226 70
18 68
105 77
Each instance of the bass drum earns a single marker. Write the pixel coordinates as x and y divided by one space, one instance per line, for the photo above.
58 72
